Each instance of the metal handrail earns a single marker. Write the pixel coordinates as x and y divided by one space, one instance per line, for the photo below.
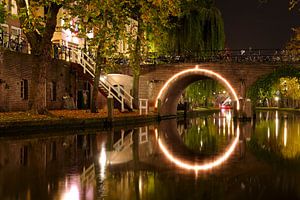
129 98
89 66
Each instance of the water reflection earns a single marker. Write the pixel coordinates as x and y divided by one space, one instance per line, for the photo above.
201 131
146 162
277 134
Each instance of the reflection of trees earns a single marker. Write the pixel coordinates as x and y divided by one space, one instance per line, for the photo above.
266 145
204 137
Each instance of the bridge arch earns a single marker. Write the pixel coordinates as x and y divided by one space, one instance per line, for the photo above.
171 91
264 83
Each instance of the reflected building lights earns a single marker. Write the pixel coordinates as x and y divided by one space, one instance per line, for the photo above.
140 186
268 132
102 161
205 166
72 194
224 126
276 124
285 133
228 130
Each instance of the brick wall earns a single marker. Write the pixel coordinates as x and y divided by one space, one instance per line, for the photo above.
14 67
69 79
153 78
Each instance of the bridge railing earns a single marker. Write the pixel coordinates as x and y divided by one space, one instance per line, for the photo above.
245 56
18 43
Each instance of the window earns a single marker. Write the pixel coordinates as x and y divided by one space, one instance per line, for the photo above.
24 89
53 91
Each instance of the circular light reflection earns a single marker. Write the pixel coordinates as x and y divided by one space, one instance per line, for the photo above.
197 167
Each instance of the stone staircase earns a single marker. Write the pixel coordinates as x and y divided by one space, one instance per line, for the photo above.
119 94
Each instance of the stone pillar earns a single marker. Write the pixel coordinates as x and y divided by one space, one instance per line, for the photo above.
235 111
248 111
158 106
242 88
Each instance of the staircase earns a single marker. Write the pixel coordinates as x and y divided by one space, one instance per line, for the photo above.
118 93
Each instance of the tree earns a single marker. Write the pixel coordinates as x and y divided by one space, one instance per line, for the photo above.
2 13
106 19
199 28
150 16
38 20
205 91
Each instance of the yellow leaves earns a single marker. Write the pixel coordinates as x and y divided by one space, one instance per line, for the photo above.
290 87
59 114
20 116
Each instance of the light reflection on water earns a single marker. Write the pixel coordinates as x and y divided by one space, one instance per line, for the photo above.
130 164
279 134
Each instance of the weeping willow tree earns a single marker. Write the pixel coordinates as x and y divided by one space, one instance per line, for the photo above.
199 28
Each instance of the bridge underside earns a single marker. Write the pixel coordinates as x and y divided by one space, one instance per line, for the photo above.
172 90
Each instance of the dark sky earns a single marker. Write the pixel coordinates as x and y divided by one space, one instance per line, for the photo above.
251 24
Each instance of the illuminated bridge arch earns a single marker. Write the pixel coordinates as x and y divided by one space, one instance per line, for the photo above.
171 91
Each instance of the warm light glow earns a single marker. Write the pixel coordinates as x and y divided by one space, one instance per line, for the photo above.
205 166
72 194
102 161
285 133
276 124
196 69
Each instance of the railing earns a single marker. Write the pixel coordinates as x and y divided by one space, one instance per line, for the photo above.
119 93
239 56
87 174
13 42
123 142
18 43
88 64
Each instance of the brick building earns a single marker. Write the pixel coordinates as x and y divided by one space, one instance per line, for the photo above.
64 78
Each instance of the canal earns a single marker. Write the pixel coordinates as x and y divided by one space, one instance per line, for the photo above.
208 157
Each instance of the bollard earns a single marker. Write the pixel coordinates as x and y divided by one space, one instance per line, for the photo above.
248 109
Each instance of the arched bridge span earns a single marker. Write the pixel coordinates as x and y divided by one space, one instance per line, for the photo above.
168 81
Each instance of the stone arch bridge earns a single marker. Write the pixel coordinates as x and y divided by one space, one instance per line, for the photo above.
236 77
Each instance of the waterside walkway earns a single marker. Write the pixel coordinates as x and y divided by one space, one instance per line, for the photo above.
18 122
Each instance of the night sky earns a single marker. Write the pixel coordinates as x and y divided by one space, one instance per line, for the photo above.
251 24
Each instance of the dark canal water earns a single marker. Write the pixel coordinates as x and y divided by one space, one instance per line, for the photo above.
209 157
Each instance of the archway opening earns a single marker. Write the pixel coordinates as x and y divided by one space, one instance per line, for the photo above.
172 90
277 89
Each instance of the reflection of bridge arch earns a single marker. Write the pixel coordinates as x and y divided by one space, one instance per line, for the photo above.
173 88
168 132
